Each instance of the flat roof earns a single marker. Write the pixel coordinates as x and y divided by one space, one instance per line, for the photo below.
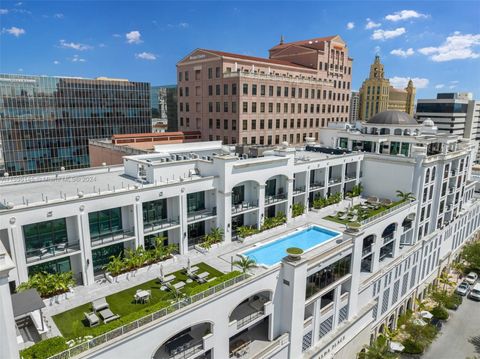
26 302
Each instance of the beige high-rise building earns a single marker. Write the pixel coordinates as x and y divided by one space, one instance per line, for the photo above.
377 95
289 96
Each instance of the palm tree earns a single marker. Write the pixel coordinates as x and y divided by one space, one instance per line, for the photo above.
115 266
216 234
445 280
245 263
405 196
379 350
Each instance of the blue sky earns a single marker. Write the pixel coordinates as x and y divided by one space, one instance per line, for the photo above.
435 43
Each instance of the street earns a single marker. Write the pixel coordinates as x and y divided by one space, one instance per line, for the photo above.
460 335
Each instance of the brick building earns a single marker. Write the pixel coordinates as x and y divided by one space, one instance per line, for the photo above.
299 89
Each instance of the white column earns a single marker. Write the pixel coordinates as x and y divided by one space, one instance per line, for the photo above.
290 199
183 245
8 337
307 189
138 224
261 204
85 247
17 246
224 214
336 306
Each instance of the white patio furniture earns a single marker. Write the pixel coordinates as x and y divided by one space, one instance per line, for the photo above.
178 285
142 296
99 304
166 279
107 315
92 319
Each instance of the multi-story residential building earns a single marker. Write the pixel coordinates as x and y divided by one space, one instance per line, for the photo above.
343 290
164 107
234 98
376 94
46 122
354 106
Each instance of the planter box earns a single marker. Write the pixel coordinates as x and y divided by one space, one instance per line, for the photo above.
145 269
59 298
204 250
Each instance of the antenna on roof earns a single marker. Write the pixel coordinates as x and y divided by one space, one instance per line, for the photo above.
281 40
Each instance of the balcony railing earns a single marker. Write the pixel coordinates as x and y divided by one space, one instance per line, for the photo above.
350 177
316 185
273 347
387 211
366 250
187 350
244 206
334 180
277 198
249 318
388 238
159 224
204 213
112 236
34 255
299 189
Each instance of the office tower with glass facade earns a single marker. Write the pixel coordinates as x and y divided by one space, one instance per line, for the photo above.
46 122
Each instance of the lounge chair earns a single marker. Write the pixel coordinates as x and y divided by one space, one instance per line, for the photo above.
386 202
107 315
92 319
344 216
166 279
99 304
178 285
372 200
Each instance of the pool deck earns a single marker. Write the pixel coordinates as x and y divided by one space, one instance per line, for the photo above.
219 258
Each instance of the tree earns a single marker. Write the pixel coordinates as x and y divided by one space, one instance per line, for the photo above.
445 280
405 196
115 266
378 350
471 254
216 234
245 263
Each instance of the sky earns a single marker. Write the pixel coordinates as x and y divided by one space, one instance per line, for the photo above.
436 43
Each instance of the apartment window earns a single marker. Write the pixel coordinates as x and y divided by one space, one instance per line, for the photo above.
300 92
234 89
326 276
181 91
254 90
254 124
225 124
181 121
210 72
186 75
187 91
254 107
210 90
245 107
188 121
225 107
278 107
277 123
292 123
285 107
262 140
285 123
195 201
244 140
245 125
210 123
197 75
225 89
217 72
217 106
306 93
105 222
234 107
270 90
262 107
179 76
253 140
270 124
245 89
270 107
217 124
325 94
217 90
210 107
187 107
285 91
262 90
299 123
234 126
279 91
262 124
293 91
45 234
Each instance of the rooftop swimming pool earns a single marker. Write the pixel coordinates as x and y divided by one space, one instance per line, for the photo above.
271 253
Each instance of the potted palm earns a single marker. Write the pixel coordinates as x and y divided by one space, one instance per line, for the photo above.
354 226
245 263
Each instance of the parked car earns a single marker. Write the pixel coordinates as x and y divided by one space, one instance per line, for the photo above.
437 323
471 278
463 289
475 292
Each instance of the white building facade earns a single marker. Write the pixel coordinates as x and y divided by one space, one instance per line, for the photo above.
185 191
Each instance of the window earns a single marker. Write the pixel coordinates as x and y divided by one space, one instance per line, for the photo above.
254 107
225 107
179 76
262 124
225 124
234 126
285 91
210 90
210 123
245 89
245 125
234 89
217 106
234 107
245 106
270 90
217 124
210 107
262 90
104 223
279 91
195 201
210 73
154 211
225 89
186 75
262 107
217 72
44 234
270 124
328 275
254 124
254 90
217 90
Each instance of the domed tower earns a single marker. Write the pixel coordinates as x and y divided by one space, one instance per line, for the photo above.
410 100
374 92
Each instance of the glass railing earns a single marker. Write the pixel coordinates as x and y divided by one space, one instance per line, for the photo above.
159 224
315 185
51 251
204 213
299 189
112 236
244 206
249 318
187 350
277 198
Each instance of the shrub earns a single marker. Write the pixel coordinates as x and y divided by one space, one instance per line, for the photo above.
245 231
404 318
297 209
412 347
49 284
439 312
294 250
45 349
271 222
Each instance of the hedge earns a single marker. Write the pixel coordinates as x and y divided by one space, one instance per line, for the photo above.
45 349
440 313
412 347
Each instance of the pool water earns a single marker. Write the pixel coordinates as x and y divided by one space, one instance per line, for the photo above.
272 252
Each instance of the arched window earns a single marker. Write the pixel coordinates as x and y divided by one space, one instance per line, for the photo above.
427 176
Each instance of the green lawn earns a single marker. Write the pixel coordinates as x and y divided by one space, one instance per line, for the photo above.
368 213
72 324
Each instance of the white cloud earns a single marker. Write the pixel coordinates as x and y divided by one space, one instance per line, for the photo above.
452 86
402 82
134 37
456 47
15 31
3 11
74 45
146 56
117 35
404 15
371 24
58 16
56 62
350 25
402 53
377 49
19 4
439 86
181 25
454 82
77 58
388 34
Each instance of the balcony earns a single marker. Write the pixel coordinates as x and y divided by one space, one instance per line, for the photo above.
298 190
350 177
244 207
51 251
388 238
114 236
366 250
316 185
333 181
201 214
159 224
275 199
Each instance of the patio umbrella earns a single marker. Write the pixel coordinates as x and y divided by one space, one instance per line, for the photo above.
161 270
426 314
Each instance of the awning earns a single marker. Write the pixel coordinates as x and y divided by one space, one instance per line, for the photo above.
26 302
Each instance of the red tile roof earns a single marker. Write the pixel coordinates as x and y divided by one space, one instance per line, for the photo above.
311 43
253 58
